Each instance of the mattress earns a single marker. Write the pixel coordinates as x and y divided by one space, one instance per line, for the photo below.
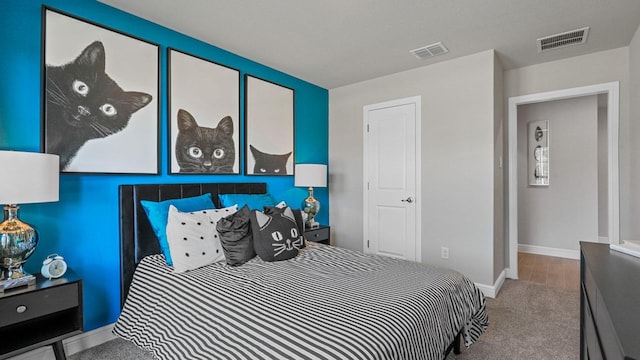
326 303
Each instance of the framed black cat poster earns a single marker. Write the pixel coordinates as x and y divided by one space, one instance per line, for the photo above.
269 129
100 101
204 113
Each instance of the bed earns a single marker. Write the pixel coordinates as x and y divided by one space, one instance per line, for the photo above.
325 303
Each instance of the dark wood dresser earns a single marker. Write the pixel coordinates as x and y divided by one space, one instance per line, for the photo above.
609 303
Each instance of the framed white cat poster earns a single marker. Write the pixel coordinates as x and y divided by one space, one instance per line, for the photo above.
269 128
100 98
538 153
204 113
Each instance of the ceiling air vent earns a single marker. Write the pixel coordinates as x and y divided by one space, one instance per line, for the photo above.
573 37
429 51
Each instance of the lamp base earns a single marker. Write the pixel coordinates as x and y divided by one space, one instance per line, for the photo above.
18 240
313 224
12 273
310 207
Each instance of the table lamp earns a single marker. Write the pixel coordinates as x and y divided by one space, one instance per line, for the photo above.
27 177
311 175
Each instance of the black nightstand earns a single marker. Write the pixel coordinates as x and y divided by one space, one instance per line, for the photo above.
320 234
40 315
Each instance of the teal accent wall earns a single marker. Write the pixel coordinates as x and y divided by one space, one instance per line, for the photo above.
83 225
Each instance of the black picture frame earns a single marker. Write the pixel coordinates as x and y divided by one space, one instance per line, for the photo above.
269 128
203 95
94 78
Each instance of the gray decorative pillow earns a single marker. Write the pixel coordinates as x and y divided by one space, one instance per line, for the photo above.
297 214
275 237
193 239
236 237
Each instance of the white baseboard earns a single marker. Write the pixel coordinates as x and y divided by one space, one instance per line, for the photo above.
492 290
72 345
548 251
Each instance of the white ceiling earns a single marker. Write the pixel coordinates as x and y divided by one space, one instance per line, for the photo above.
332 43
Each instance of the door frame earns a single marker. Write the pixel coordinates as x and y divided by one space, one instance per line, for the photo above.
417 102
612 89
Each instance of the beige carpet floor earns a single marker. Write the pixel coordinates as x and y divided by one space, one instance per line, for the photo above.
528 321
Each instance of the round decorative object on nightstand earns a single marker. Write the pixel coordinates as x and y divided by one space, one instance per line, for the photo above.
53 266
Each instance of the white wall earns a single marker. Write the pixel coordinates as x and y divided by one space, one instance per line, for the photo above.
596 68
565 212
457 159
460 153
634 94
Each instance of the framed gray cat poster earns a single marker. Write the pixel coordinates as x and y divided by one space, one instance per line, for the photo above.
204 113
100 97
269 128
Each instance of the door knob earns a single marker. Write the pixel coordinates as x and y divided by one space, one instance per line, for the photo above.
409 200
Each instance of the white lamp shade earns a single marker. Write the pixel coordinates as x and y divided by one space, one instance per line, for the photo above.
27 177
311 175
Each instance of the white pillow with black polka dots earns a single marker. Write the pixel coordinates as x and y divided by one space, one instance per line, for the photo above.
193 239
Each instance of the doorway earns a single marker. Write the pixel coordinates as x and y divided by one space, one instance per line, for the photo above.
612 92
391 188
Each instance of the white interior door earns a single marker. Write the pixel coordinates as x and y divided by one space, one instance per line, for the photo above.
392 179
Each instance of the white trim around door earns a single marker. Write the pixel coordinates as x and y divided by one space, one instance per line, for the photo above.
612 89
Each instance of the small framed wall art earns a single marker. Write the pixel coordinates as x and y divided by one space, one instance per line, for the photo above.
100 97
269 133
538 153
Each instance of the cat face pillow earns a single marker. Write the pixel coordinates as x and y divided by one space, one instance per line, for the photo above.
202 149
84 103
297 215
275 237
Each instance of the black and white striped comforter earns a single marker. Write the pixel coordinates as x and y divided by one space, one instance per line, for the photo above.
326 303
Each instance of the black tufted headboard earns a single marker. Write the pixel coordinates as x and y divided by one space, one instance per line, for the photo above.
137 239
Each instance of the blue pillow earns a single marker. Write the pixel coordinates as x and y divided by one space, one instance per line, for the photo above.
158 214
253 201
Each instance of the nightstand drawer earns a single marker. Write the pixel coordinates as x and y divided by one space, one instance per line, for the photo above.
33 304
317 235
